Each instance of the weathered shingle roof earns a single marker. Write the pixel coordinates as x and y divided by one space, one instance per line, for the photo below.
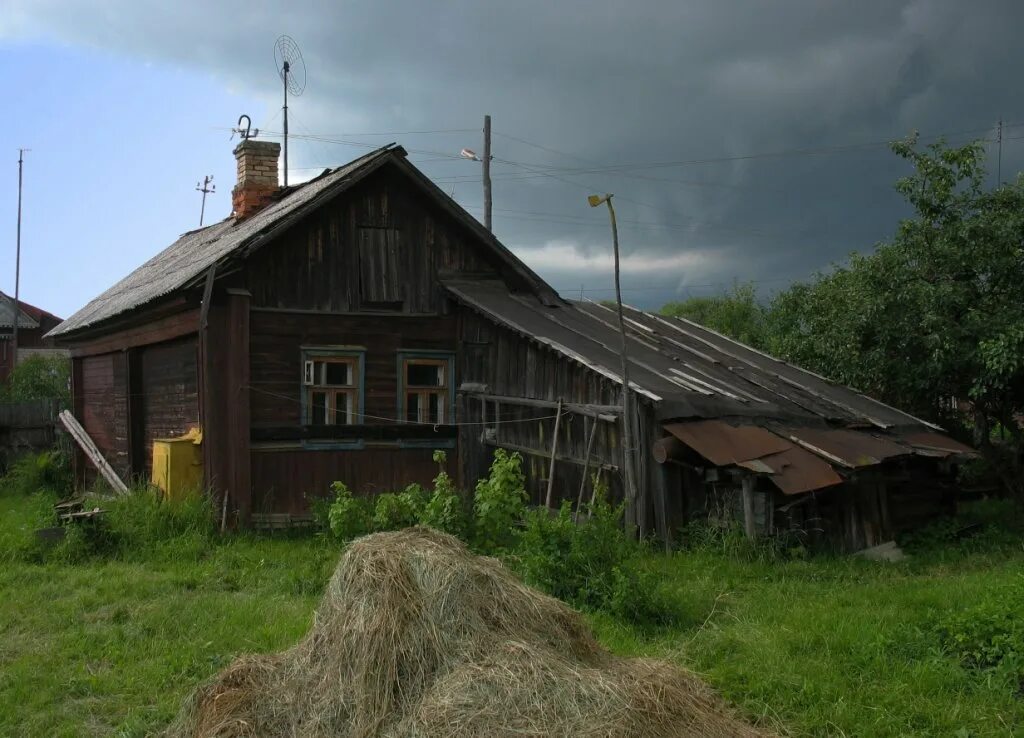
687 369
196 251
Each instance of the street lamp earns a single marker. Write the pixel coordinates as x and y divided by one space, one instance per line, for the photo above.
629 481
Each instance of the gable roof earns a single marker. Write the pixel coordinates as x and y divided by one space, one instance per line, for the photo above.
187 259
29 316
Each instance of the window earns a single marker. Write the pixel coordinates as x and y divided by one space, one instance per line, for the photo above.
426 382
332 388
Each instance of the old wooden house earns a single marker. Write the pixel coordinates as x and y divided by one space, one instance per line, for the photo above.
345 328
33 324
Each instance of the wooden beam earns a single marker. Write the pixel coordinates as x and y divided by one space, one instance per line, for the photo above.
607 413
667 449
546 454
163 329
86 443
554 450
586 464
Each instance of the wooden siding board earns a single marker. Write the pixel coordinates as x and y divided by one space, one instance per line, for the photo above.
420 240
286 480
102 399
170 401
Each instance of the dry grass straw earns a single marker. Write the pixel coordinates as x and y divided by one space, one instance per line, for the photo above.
416 636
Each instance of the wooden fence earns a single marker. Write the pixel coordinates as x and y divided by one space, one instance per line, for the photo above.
26 426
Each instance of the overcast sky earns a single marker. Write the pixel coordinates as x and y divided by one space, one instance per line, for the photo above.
742 140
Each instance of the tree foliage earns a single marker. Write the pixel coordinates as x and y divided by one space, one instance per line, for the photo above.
738 313
39 378
935 316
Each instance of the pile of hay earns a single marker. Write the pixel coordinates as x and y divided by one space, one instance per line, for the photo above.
416 636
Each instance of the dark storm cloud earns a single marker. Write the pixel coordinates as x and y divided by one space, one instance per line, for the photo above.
616 83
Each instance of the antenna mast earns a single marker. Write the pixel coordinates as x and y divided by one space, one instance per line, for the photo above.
292 69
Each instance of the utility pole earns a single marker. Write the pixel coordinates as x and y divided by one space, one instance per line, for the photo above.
206 188
487 173
17 264
628 448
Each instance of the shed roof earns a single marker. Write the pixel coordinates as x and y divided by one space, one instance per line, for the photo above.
689 370
184 261
740 407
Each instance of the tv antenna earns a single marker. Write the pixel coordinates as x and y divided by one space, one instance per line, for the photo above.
292 70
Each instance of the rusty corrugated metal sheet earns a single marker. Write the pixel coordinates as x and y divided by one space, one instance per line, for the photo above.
723 444
849 448
797 470
925 441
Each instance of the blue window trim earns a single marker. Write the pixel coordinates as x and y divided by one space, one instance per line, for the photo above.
337 352
407 354
328 445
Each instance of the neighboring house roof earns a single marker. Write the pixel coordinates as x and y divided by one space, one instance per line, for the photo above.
29 315
188 258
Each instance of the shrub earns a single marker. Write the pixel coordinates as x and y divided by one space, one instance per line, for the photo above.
349 517
444 510
500 503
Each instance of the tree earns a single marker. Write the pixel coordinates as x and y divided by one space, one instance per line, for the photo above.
737 313
933 315
39 377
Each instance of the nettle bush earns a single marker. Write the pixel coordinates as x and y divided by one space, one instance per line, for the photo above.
591 563
350 517
499 504
989 635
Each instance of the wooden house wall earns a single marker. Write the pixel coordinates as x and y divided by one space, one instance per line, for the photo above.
169 399
380 240
277 340
286 479
510 365
103 394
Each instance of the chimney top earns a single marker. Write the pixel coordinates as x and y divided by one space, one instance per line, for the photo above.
257 176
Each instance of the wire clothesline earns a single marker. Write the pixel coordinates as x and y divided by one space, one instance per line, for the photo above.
403 421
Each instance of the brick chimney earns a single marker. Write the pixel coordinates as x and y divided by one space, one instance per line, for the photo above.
257 176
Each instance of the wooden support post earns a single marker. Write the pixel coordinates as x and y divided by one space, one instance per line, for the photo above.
238 412
748 506
554 451
225 401
586 463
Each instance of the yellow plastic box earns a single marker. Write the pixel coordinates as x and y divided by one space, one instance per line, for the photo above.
178 464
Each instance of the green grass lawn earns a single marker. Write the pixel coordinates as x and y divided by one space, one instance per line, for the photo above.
110 645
